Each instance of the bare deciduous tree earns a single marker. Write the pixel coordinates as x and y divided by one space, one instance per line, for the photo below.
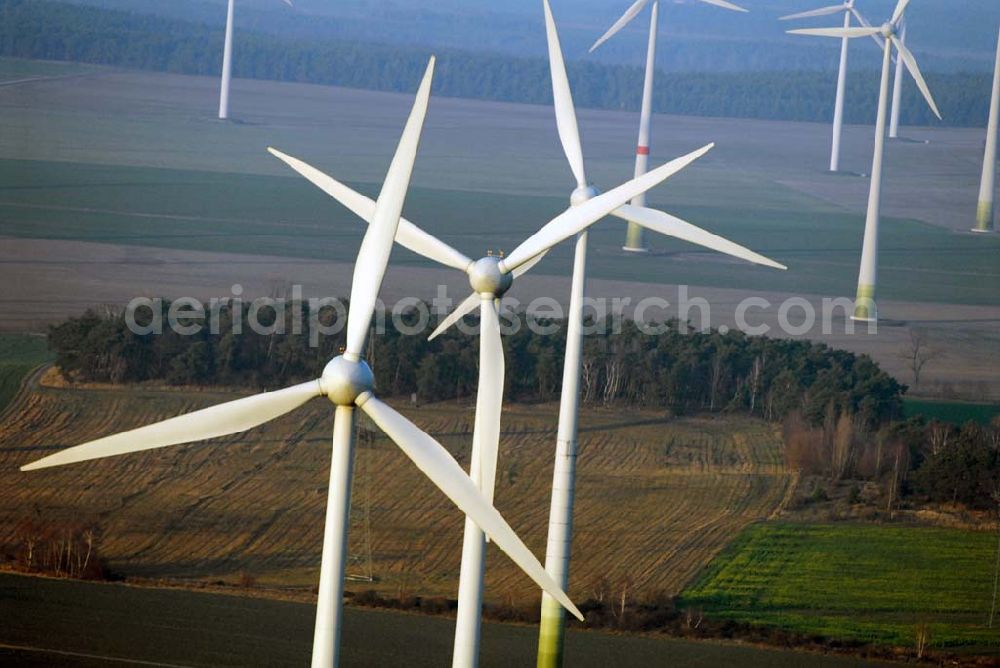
917 353
923 638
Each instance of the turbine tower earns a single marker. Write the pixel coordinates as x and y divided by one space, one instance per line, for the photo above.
838 106
347 382
864 304
227 62
551 633
491 277
633 237
984 212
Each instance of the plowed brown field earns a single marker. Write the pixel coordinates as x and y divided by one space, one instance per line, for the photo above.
657 497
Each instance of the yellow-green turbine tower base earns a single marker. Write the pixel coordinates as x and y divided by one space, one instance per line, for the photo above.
551 635
864 304
984 217
633 240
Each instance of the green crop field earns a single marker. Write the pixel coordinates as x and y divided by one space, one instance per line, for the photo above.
957 412
19 354
856 582
286 216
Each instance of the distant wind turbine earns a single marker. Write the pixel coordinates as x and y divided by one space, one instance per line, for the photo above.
864 304
838 107
348 383
227 62
984 212
633 237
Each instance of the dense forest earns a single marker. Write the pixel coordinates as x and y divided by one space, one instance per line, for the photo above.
44 29
683 371
840 412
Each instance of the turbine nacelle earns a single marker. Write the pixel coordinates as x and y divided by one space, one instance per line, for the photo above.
344 380
583 193
888 29
487 278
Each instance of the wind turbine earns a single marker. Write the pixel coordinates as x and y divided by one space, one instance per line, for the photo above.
557 555
348 383
984 212
864 304
227 61
633 237
838 107
490 277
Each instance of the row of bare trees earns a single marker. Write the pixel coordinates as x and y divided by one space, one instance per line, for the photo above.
65 549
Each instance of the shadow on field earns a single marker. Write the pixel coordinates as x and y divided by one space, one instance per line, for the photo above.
49 622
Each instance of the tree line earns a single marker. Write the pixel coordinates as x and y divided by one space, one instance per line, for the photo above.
682 371
47 29
916 459
66 549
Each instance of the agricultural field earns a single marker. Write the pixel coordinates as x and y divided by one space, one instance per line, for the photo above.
857 582
16 70
956 412
116 184
662 495
85 624
19 354
136 159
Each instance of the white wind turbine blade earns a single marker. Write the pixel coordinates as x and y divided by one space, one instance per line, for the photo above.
228 418
911 66
725 5
898 12
835 32
579 217
408 235
867 24
529 265
489 397
562 99
373 256
672 226
625 19
467 306
822 11
442 469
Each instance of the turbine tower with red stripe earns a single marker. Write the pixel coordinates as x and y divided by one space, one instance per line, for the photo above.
634 236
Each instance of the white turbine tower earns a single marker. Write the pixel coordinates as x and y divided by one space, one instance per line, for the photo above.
984 212
348 383
864 304
557 554
491 277
838 107
227 62
633 237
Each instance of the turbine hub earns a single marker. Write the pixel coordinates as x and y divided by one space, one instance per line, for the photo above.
345 380
888 30
486 278
582 194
